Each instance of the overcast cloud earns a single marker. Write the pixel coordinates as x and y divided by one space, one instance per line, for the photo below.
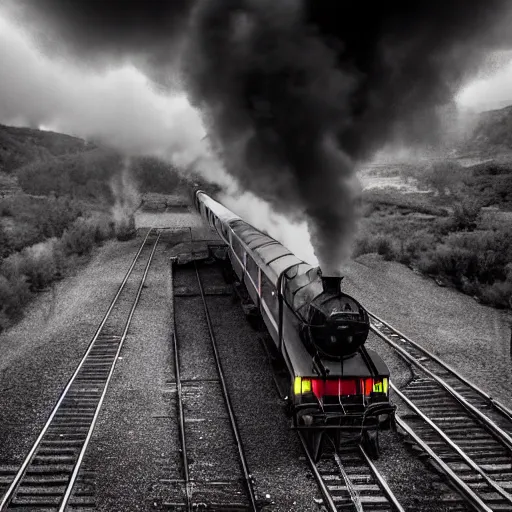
117 105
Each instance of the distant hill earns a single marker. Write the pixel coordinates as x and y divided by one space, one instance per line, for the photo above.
492 133
43 163
20 146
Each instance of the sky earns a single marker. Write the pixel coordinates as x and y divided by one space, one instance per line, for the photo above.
43 85
55 93
492 89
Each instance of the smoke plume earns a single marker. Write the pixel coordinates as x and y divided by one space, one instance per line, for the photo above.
295 94
126 198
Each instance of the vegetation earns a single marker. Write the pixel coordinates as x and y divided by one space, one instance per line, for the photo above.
42 239
449 232
20 146
63 196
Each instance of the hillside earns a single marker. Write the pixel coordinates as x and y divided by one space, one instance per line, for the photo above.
492 134
20 146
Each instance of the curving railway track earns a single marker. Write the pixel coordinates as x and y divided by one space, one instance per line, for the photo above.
464 431
236 491
47 480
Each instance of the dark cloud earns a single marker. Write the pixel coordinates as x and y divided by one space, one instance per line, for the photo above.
146 32
296 94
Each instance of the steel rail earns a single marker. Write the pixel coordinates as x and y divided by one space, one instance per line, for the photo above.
468 460
76 469
463 489
499 434
504 410
382 482
318 477
181 414
19 475
227 400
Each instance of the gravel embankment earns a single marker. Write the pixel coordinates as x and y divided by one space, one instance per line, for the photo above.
133 455
473 338
40 353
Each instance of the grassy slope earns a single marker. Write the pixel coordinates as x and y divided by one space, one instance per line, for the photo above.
20 146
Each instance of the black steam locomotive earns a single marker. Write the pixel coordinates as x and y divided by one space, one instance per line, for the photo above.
338 387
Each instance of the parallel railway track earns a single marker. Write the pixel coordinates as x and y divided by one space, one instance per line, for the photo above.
48 477
462 429
202 493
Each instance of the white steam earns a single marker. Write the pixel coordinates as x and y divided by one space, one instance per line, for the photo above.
126 196
118 106
259 213
122 109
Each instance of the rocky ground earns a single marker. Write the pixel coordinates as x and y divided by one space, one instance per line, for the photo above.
134 457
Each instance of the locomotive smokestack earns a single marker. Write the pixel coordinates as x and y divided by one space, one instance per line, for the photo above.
331 284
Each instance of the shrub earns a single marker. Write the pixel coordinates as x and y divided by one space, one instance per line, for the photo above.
362 246
14 294
39 264
384 247
427 265
79 238
498 294
466 213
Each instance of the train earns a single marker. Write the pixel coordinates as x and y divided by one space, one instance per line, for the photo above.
338 388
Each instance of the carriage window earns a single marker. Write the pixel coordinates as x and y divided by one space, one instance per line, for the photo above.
252 269
269 295
218 225
238 249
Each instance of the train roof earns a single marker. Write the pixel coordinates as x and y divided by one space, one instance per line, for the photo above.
270 255
218 209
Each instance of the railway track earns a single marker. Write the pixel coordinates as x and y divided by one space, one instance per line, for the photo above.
346 477
349 480
226 493
48 479
464 431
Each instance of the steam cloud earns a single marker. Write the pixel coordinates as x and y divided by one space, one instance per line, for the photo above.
297 94
294 95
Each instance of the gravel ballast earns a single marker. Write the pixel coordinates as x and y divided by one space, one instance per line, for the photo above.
40 353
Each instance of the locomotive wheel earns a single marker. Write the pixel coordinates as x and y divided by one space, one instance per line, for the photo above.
389 423
371 443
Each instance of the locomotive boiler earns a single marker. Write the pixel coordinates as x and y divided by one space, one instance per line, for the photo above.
338 387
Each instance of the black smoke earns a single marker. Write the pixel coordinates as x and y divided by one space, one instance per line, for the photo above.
297 93
102 32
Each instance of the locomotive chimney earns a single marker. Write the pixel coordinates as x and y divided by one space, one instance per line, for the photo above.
331 284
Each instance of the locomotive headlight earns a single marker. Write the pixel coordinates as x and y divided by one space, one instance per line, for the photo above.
380 386
301 385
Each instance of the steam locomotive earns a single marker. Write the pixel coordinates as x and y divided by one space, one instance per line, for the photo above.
338 387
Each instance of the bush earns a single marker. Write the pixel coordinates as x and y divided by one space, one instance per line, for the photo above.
39 264
362 246
466 213
14 294
498 294
79 238
384 247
